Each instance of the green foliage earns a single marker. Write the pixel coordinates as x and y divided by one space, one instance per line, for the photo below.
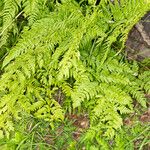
33 134
15 14
75 49
137 137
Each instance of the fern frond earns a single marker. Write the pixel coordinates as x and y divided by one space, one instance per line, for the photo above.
33 10
136 93
10 9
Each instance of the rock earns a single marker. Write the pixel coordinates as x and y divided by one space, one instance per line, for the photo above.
138 42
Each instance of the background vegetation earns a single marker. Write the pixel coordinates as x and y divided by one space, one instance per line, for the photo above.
66 82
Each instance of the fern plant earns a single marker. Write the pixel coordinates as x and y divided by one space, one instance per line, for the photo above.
76 49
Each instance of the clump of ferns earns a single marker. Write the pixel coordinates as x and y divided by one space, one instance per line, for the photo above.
64 62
